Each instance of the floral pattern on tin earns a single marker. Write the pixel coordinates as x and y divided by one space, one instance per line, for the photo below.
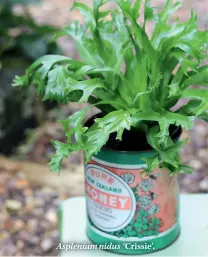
153 209
128 178
144 201
145 185
153 195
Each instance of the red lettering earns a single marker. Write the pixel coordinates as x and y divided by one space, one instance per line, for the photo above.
108 200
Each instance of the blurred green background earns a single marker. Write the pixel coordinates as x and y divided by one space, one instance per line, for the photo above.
29 193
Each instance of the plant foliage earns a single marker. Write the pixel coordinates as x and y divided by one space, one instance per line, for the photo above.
133 78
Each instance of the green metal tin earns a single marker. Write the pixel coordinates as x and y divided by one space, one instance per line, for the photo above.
128 213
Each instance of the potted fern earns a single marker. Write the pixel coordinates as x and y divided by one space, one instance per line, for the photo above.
132 147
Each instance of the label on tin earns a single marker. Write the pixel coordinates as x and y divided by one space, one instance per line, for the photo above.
121 203
111 202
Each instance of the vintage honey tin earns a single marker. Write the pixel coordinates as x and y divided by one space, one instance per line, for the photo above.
128 213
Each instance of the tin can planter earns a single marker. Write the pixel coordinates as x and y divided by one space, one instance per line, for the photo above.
128 213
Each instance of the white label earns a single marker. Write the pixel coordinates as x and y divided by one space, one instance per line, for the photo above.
110 201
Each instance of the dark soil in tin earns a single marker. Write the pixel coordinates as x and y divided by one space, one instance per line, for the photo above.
133 140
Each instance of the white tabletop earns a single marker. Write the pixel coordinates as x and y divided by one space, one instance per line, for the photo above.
193 240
